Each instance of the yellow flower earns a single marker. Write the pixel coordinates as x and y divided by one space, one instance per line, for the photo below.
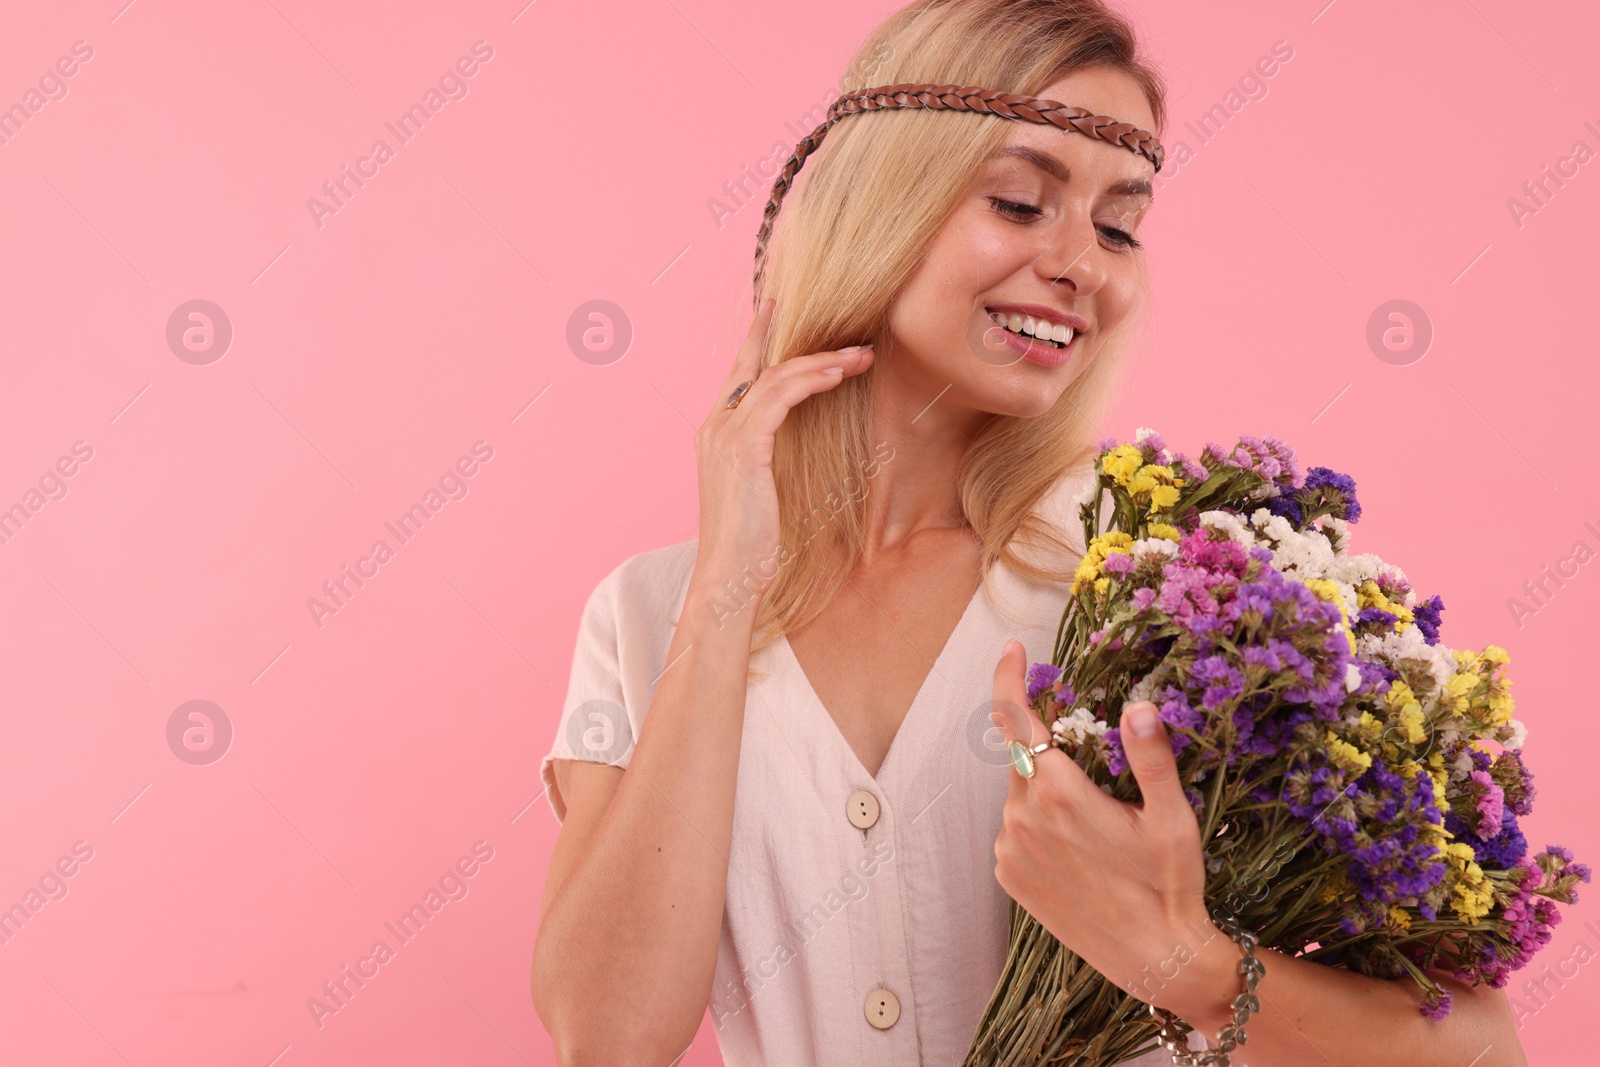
1399 918
1165 532
1440 778
1369 731
1370 596
1501 704
1346 756
1163 497
1472 894
1088 571
1405 713
1122 463
1456 698
1339 889
1329 591
1152 482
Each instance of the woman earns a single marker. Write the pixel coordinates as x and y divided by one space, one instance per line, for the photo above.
781 793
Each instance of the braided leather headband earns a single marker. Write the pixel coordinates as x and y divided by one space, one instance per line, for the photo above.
953 98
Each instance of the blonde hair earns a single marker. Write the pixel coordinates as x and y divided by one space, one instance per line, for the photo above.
837 258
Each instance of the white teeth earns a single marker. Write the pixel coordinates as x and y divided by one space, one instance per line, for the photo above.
1030 326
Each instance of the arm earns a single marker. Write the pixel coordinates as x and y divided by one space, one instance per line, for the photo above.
632 907
1123 886
1315 1014
632 910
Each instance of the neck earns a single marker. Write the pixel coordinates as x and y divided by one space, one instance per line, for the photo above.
916 490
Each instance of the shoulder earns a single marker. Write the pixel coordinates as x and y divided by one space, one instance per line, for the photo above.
1059 509
1074 488
649 584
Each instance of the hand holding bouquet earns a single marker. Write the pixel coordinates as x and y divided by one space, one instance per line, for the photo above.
1355 785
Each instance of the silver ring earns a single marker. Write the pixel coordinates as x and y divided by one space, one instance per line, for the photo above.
1022 756
737 394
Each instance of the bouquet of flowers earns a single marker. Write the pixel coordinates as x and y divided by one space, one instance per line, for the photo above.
1357 783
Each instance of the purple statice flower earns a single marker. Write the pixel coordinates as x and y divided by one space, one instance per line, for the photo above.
1375 677
1437 1006
1480 759
1528 918
1513 777
1268 457
1106 444
1214 456
1426 616
1116 758
1177 711
1383 620
1197 592
1559 865
1286 506
1263 656
1491 804
1394 586
1314 494
1119 563
1155 448
1192 470
1500 851
1331 482
1041 676
1268 467
1396 864
1223 682
1285 456
1143 597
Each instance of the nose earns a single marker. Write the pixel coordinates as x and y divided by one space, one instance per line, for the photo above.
1070 255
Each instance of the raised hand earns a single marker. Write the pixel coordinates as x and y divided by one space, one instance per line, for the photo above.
739 522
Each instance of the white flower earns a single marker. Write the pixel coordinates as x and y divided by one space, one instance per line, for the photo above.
1519 734
1151 547
1363 568
1077 725
1352 677
1229 525
1410 647
1143 689
1142 432
1338 532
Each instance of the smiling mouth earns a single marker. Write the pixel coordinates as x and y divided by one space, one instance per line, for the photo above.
1038 331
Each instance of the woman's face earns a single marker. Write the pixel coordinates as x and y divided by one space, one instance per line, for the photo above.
1050 221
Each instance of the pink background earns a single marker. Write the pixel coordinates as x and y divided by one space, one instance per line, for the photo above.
430 311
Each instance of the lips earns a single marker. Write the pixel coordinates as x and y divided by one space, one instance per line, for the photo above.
1044 353
1049 328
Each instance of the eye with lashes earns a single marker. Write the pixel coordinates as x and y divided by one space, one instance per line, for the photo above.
1027 212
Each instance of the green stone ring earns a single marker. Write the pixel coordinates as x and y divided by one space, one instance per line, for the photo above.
1022 756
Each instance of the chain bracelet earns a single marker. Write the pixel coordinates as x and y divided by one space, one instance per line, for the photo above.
1173 1032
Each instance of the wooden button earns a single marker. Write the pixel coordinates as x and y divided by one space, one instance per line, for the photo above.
862 809
883 1008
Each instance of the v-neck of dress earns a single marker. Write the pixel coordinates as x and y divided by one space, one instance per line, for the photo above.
910 724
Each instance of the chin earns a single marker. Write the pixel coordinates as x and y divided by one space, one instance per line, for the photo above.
1022 399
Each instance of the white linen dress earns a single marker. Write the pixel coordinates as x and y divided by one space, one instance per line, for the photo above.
863 923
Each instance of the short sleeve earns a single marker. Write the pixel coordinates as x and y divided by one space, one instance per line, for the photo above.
594 725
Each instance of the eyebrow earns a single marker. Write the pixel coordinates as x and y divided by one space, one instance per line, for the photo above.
1054 167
